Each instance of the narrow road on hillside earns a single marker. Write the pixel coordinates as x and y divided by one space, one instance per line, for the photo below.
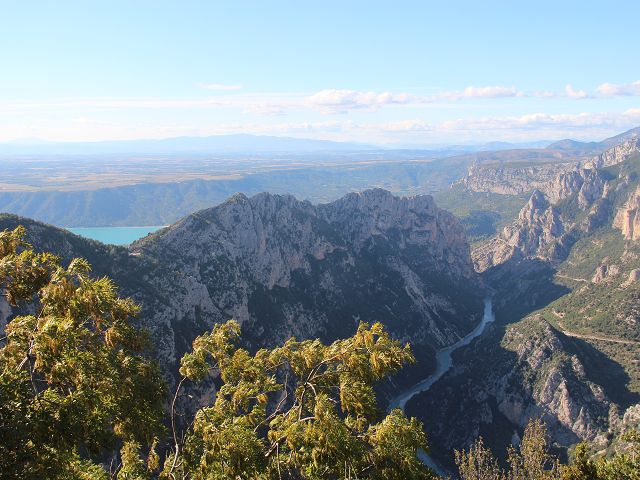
600 338
559 275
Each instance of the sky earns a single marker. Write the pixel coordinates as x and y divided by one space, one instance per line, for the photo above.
379 72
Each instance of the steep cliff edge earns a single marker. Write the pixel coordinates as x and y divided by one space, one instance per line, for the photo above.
555 180
512 179
628 217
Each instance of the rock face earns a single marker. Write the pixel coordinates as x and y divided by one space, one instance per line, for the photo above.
543 232
605 272
537 233
627 218
512 180
616 154
284 267
557 181
589 184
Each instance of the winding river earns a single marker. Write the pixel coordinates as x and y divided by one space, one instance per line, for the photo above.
444 362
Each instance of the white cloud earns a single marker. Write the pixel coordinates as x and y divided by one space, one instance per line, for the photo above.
544 122
341 101
408 126
115 104
220 86
577 94
267 109
481 92
625 89
533 126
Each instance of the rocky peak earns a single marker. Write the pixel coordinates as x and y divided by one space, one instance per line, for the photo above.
605 272
537 203
410 221
286 267
540 231
589 184
537 233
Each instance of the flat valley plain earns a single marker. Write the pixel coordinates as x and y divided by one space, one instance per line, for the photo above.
94 171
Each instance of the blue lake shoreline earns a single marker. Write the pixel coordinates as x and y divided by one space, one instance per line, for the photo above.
114 235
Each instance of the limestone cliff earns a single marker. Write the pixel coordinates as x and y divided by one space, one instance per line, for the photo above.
616 154
627 218
513 179
557 180
537 233
284 267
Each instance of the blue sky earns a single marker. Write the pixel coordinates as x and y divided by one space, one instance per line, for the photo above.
381 72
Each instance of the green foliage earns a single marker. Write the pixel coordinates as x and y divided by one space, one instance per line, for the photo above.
133 466
301 411
478 463
531 461
73 382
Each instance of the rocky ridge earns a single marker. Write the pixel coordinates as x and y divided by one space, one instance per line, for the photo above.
285 267
542 231
512 180
555 180
616 154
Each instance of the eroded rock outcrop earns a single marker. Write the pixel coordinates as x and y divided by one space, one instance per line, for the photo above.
616 154
557 181
537 233
284 267
627 218
510 180
540 231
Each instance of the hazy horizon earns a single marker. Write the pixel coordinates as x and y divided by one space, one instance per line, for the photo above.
411 73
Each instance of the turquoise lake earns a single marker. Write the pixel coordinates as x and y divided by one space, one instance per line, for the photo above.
114 235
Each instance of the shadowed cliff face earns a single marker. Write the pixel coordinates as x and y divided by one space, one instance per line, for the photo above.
283 267
528 370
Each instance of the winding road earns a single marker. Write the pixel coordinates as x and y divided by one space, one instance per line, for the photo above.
444 362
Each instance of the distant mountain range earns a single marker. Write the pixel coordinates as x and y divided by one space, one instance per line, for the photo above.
241 143
245 143
592 148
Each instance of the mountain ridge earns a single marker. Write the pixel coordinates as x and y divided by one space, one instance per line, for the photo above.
284 267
